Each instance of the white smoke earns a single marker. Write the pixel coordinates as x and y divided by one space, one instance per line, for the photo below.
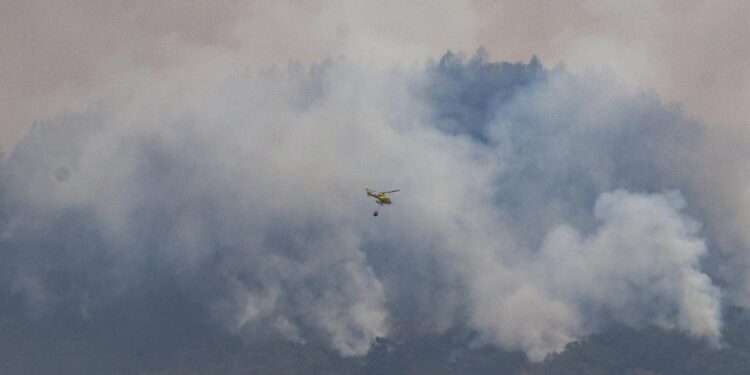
532 207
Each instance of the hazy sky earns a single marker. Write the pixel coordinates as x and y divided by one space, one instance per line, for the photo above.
64 55
537 205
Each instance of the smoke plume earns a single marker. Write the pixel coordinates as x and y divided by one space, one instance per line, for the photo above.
536 206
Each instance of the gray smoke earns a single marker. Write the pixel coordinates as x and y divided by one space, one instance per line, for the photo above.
536 206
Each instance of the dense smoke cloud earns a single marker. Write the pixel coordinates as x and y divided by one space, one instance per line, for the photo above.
536 206
63 55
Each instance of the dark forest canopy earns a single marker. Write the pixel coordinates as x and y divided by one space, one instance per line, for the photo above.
95 349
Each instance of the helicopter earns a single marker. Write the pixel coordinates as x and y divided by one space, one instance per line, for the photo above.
381 197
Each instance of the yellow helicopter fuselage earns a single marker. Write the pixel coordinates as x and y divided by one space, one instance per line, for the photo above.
381 198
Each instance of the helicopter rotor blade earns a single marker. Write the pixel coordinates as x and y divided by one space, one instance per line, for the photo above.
392 191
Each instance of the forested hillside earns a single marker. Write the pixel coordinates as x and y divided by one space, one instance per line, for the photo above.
198 350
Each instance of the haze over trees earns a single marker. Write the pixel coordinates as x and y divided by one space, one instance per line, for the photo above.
547 222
